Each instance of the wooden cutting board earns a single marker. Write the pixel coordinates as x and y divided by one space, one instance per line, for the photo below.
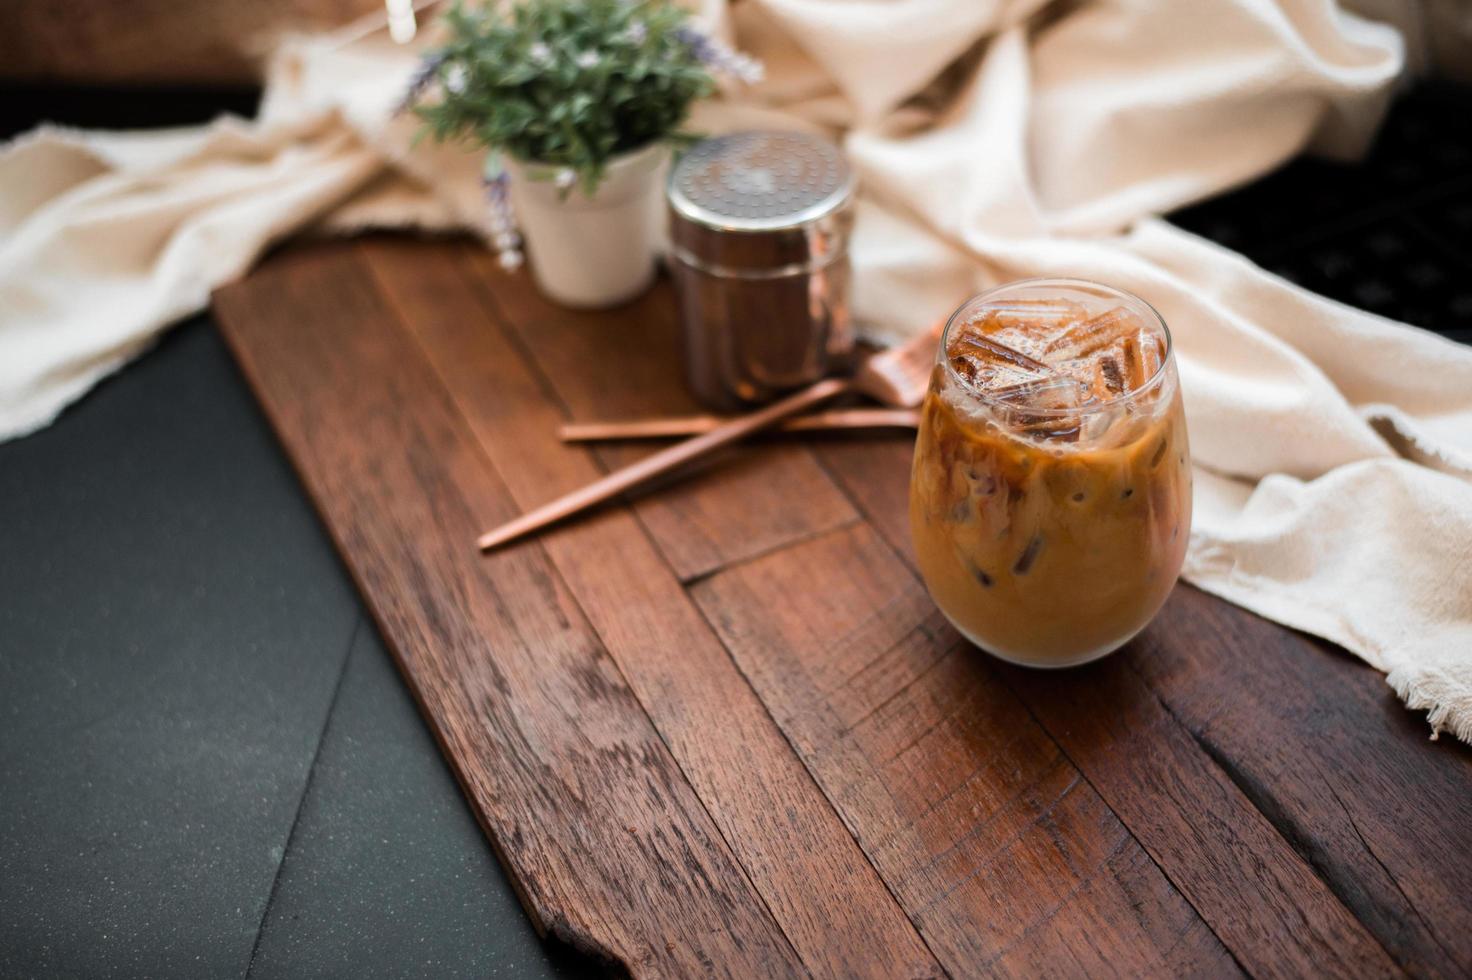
723 731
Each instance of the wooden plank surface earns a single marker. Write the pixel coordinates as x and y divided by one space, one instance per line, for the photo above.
624 364
723 729
999 850
810 872
1301 728
541 728
1320 744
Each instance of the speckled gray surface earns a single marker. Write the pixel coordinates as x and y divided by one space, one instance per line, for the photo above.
172 628
388 873
174 636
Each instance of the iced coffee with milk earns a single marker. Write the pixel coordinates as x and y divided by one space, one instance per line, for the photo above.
1050 499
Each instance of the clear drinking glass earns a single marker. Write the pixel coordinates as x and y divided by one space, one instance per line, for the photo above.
1050 499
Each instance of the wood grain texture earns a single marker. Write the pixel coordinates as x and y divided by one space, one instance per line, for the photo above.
873 469
723 730
817 883
608 844
1319 743
662 465
626 363
1007 860
1256 893
1315 742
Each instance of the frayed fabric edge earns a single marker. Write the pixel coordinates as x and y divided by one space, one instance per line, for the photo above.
1447 705
1431 689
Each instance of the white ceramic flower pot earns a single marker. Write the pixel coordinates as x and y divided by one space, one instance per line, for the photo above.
593 251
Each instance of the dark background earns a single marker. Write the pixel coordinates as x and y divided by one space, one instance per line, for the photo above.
208 765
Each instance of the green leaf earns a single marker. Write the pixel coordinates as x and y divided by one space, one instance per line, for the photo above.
550 110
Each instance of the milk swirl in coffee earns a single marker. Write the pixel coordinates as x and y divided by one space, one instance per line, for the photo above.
1050 499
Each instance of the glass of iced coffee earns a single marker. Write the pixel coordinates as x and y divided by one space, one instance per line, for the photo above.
1050 499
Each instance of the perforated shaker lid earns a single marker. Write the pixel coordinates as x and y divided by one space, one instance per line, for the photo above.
755 198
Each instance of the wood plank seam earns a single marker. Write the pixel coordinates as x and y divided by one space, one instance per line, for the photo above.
756 556
1131 831
915 879
716 512
1245 786
556 927
1081 775
1299 813
1417 773
565 934
1370 850
1415 907
557 572
549 389
976 831
817 784
532 366
899 692
535 367
1059 904
965 783
1264 805
750 934
1226 771
1206 659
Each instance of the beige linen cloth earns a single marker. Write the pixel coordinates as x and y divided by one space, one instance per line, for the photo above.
994 140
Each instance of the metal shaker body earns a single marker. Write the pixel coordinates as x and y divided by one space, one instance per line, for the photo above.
759 230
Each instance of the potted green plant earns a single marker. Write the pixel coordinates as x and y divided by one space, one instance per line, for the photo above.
578 103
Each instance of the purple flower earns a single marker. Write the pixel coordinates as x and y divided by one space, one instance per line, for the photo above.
636 32
502 219
540 54
719 56
587 59
496 185
423 77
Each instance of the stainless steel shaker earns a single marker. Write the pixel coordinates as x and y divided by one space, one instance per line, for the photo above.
759 230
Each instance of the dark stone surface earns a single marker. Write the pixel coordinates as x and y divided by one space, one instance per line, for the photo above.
388 874
172 627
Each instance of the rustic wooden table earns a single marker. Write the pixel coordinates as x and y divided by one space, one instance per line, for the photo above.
722 730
